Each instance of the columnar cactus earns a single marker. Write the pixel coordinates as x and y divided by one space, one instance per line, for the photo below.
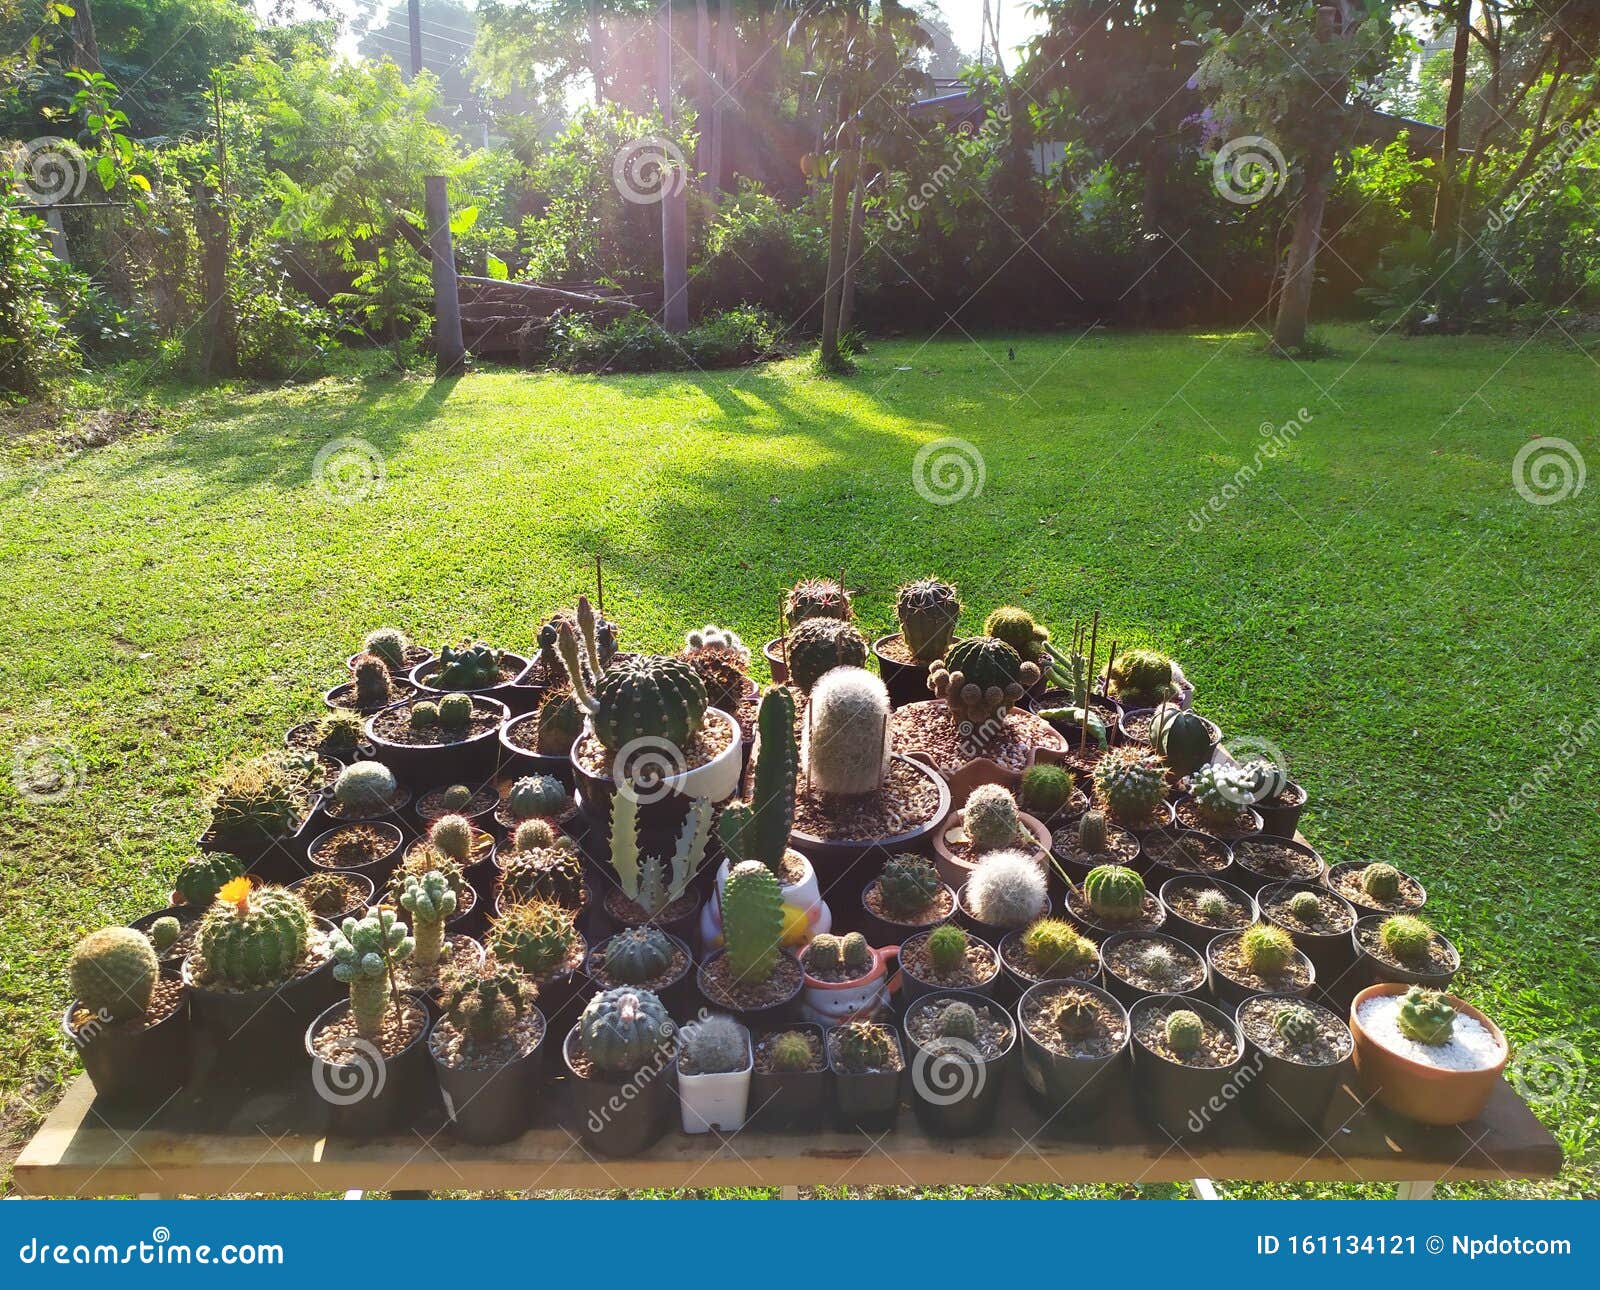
469 666
252 937
638 954
584 623
759 830
864 1046
622 1030
824 954
1045 789
947 948
1142 678
430 902
990 818
365 786
1055 948
537 936
371 676
1017 628
856 952
752 921
1220 793
388 643
1406 937
816 598
1185 1032
201 878
647 880
1092 837
1381 882
1426 1016
958 1021
847 744
364 954
791 1052
1128 783
1266 950
485 1004
980 678
559 723
114 973
819 645
1181 738
907 886
927 611
1114 892
451 835
1006 889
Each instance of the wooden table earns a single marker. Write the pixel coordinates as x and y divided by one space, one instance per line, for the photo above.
272 1141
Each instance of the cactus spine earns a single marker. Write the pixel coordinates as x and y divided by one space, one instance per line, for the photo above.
252 938
114 973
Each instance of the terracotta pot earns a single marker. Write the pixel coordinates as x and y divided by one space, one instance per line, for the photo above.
1418 1091
953 869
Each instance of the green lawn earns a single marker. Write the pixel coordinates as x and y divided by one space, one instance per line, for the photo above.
1379 601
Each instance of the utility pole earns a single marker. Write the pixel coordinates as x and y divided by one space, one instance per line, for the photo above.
674 199
414 21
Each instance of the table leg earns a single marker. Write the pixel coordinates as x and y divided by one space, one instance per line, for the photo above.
152 1195
1203 1189
788 1193
1413 1191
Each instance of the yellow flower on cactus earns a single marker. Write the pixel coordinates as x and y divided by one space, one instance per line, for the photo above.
236 892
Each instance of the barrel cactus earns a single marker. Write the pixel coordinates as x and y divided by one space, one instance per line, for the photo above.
791 1052
825 954
908 885
722 669
1266 951
388 643
372 682
1295 1025
623 1030
538 936
958 1021
365 786
553 874
927 611
469 666
265 798
452 835
1185 1032
990 818
533 835
1045 789
857 954
1181 738
1017 628
864 1046
752 921
1406 937
650 697
847 743
1006 889
1305 908
980 678
947 948
714 1045
252 937
455 712
424 715
339 733
201 878
816 598
1128 783
638 954
163 934
114 973
485 1003
1114 892
1426 1016
819 645
759 829
1142 678
365 951
1055 948
559 723
1381 882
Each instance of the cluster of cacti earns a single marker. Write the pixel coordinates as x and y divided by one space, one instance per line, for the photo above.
537 935
907 886
1264 779
549 636
927 611
1055 948
469 666
816 598
252 937
559 723
1219 792
553 873
947 948
1128 783
1185 1032
201 878
1213 906
1045 789
958 1020
339 733
1406 937
1017 628
980 678
638 954
623 1029
819 645
1181 738
1305 908
429 901
1076 1016
847 742
372 682
752 921
828 953
650 882
1265 950
790 1052
114 973
1006 889
266 797
713 637
714 1046
324 894
864 1046
365 951
1142 678
486 1002
990 818
1381 881
1295 1025
452 835
722 669
1093 833
759 829
1426 1016
365 786
1114 892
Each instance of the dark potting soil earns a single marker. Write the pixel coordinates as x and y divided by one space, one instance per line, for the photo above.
596 968
838 975
630 914
718 981
317 953
344 893
1186 852
461 954
395 726
1333 914
509 822
1346 880
1121 848
1274 860
165 1000
1125 961
1137 728
1292 796
941 907
931 728
894 649
907 801
1040 1018
896 1061
352 847
1150 913
712 739
978 967
993 1037
344 696
1184 900
1242 825
1227 958
1015 953
765 1044
456 1051
508 672
430 806
1218 1048
1083 760
1440 957
338 1042
337 810
1331 1044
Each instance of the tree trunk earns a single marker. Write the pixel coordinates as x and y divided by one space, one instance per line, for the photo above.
847 302
1299 274
844 184
597 52
702 88
414 30
727 74
217 355
674 199
85 48
450 352
1447 203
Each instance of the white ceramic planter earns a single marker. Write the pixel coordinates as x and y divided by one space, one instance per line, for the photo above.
804 896
719 1101
716 781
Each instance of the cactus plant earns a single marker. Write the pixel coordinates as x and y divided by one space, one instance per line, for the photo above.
847 743
424 715
486 1002
1381 881
1076 1016
723 670
927 611
468 666
388 643
455 712
324 894
534 796
790 1052
713 637
537 936
1128 783
456 798
422 859
857 953
1295 1025
648 881
1265 779
716 1045
1406 937
201 878
553 873
1220 793
864 1046
372 683
819 645
816 598
990 818
908 885
752 921
1265 950
1425 1016
648 697
1006 889
980 678
1305 908
1092 835
1017 628
163 934
559 723
452 835
638 954
958 1020
1181 738
1142 678
623 1029
430 902
365 951
947 948
825 954
114 973
1213 906
759 829
1159 963
1055 948
365 786
1114 892
1045 789
264 798
252 937
584 623
533 835
1185 1032
339 733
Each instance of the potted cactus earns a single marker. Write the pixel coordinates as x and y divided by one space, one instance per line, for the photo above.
947 958
1185 1055
536 797
440 738
809 598
845 977
540 938
714 1065
260 971
867 1064
1302 1049
753 975
1143 678
927 611
1049 949
431 901
1261 959
988 821
1113 899
623 1041
1277 799
1426 1054
1199 908
365 791
371 687
1376 887
368 1059
648 958
1138 964
260 809
1183 739
1074 1037
1219 804
1402 948
1065 692
1049 794
541 866
789 1082
539 741
399 653
906 897
722 662
1129 783
1006 892
200 878
128 1020
479 805
1093 842
819 645
335 896
486 1049
1319 921
370 848
651 888
470 667
545 672
959 1046
335 737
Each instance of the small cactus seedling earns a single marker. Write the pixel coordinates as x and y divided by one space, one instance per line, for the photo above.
1114 892
1426 1016
1305 908
947 948
1055 948
990 818
824 954
424 715
1406 937
908 885
1007 889
816 598
1159 963
388 643
958 1021
456 798
371 676
451 835
1076 1016
455 712
1266 951
1381 882
163 933
1296 1025
715 1046
1185 1032
858 956
1213 907
790 1052
114 973
1045 789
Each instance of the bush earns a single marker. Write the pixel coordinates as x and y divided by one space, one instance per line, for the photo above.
637 343
760 252
37 291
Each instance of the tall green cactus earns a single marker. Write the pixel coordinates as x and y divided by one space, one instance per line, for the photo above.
364 954
429 901
752 921
760 829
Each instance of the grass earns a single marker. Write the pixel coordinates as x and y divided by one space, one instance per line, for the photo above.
1378 600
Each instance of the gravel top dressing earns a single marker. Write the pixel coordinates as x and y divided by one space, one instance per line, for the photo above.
1471 1046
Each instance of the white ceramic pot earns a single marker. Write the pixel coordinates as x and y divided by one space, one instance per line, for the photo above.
831 1002
718 1101
716 781
803 898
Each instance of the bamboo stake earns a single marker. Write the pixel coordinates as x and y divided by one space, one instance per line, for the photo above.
1094 640
599 587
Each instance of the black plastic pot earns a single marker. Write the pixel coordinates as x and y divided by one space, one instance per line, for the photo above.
1283 821
1184 1101
1370 970
376 871
356 910
1253 881
1331 953
763 1016
375 1094
493 1105
270 859
883 931
913 987
611 1123
1361 906
342 697
517 761
1067 1089
1160 870
396 811
954 1097
865 1101
422 677
470 761
789 1101
679 995
1229 993
1197 935
134 1067
906 682
1292 1098
1128 994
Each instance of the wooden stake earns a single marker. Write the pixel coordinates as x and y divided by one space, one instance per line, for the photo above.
1094 640
1105 690
599 587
